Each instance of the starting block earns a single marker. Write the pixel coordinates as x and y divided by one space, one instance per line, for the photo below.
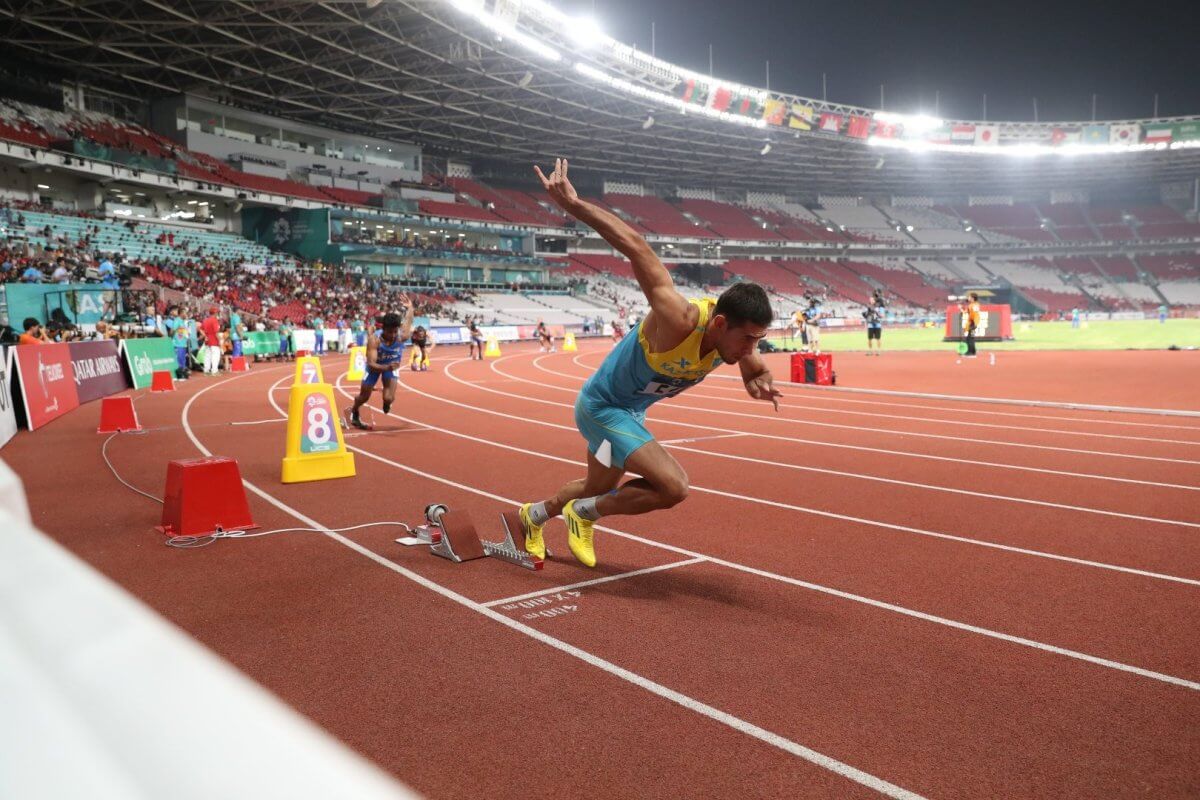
452 535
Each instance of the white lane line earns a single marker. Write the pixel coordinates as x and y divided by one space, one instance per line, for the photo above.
932 420
786 506
954 398
816 587
820 443
704 438
691 704
606 579
860 428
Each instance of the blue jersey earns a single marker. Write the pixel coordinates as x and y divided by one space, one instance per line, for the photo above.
634 378
390 355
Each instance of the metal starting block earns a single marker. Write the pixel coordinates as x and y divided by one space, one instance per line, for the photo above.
452 535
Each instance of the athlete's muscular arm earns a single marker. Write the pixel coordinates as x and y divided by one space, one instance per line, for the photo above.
373 356
407 326
760 384
671 310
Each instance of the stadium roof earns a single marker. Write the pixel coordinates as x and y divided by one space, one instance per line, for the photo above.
510 83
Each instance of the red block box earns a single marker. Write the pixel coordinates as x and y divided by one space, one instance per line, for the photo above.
812 368
202 494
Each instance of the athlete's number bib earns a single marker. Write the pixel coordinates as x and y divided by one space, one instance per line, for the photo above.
663 389
317 433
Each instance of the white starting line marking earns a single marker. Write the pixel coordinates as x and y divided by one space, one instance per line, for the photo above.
594 581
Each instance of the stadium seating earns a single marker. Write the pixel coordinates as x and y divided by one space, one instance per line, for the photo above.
658 216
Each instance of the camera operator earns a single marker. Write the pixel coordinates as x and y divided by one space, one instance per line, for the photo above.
873 317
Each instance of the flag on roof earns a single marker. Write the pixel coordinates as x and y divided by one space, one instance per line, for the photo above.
987 135
774 111
961 134
859 128
720 99
694 92
801 117
1158 133
1124 134
830 123
1095 134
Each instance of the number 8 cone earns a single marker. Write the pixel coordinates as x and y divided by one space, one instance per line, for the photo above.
315 448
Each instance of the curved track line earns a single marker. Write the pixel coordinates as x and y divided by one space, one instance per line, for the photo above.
908 612
934 420
774 503
717 715
950 398
887 431
792 439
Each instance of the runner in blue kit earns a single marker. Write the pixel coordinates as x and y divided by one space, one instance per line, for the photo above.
385 354
672 349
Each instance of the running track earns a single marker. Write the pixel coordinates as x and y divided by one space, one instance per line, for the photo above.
864 595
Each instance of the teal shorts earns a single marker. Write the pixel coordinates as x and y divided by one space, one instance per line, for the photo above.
624 429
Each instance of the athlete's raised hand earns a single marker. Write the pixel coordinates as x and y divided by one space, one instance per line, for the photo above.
763 388
558 186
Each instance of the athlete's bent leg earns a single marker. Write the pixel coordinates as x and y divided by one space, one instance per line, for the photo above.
389 394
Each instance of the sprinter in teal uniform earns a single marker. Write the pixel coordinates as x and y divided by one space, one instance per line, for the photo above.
672 349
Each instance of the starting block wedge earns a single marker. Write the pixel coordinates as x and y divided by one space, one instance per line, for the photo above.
452 535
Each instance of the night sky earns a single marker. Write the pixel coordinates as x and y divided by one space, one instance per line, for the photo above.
1060 53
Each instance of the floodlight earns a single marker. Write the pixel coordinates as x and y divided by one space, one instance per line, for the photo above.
649 123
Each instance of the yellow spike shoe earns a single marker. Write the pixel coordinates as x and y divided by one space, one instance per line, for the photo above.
579 536
535 545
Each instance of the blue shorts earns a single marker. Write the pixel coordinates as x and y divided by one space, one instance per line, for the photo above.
237 347
373 377
623 428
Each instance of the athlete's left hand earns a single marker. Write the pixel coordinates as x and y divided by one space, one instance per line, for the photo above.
763 388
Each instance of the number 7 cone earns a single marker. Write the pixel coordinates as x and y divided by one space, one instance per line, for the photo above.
316 450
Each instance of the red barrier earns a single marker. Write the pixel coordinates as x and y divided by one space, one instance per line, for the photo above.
202 494
812 368
162 382
118 414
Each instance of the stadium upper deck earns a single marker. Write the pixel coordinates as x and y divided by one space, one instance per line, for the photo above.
516 83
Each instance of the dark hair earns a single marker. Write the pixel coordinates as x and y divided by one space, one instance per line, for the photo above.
974 296
30 322
745 303
390 321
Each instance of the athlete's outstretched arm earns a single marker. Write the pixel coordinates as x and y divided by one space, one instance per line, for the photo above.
669 306
407 325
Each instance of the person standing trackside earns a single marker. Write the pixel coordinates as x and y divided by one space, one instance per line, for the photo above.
873 316
972 323
210 330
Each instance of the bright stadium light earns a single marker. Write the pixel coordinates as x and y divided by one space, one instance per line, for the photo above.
503 28
913 123
585 32
1025 150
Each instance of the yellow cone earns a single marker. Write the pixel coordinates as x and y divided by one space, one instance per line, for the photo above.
493 349
569 343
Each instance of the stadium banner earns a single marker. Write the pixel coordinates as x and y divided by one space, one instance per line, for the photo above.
694 92
144 357
940 135
97 368
995 324
76 303
47 382
304 339
8 413
887 130
530 331
261 343
1060 136
501 333
451 335
747 106
720 99
1186 132
304 232
1124 134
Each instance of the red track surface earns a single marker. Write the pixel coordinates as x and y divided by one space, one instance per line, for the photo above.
876 599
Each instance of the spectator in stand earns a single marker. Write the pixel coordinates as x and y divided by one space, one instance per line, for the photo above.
210 331
61 274
34 333
32 275
108 275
